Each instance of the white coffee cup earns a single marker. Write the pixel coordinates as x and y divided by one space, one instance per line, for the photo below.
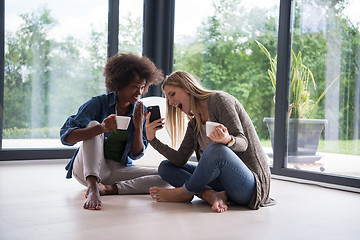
210 127
122 122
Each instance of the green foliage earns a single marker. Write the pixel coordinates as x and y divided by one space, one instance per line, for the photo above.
351 147
26 71
224 57
26 133
46 80
300 103
130 34
189 58
341 146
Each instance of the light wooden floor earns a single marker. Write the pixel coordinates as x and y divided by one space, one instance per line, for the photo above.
37 202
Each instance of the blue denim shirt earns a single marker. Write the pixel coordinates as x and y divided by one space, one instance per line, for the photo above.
98 108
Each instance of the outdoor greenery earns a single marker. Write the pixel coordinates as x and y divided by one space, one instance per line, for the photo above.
351 147
301 103
225 56
21 133
342 147
46 80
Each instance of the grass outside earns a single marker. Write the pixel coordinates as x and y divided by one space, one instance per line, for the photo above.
351 147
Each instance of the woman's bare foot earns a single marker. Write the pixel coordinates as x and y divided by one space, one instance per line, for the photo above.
93 202
92 194
105 190
217 200
170 195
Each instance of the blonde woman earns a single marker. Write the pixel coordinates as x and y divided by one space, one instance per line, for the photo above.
232 164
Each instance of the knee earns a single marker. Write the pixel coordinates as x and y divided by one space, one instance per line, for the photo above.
215 148
98 138
215 152
163 167
93 123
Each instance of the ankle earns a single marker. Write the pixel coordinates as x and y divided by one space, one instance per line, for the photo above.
112 189
91 181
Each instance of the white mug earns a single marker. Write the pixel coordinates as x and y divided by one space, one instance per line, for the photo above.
210 127
122 122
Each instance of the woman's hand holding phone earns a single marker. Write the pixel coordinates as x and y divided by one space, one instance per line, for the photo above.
153 122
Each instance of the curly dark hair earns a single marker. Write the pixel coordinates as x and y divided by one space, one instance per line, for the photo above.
122 69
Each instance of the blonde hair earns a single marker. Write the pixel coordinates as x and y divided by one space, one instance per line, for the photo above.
175 118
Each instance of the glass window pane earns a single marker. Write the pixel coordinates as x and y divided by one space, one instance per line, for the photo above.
220 43
54 57
325 60
130 26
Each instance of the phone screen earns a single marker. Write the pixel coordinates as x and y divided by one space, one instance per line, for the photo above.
155 113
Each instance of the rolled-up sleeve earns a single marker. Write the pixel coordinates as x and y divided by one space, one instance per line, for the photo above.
91 110
64 132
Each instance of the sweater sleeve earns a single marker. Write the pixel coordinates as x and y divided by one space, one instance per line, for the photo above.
181 156
227 110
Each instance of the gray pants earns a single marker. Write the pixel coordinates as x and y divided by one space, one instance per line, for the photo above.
90 161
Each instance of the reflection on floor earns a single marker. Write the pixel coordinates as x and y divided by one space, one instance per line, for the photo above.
330 163
37 202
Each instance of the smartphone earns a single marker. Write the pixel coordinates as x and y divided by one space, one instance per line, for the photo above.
155 113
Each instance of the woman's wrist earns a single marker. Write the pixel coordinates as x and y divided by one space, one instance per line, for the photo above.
231 142
100 128
138 130
153 140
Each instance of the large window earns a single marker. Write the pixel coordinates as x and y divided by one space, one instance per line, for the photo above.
54 56
326 53
221 42
131 26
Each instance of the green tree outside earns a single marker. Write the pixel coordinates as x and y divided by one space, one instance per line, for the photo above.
225 57
46 80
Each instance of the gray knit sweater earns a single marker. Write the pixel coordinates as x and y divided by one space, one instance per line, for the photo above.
227 110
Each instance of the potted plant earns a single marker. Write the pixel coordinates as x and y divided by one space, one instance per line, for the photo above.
303 132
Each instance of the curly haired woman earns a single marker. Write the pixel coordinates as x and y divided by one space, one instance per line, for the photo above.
103 162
